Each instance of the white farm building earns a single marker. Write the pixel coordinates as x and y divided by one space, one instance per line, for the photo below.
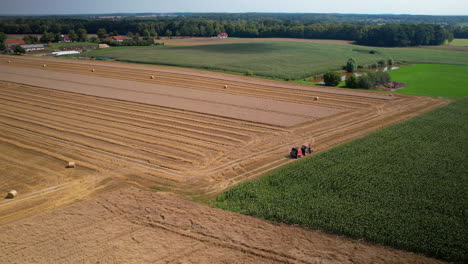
64 53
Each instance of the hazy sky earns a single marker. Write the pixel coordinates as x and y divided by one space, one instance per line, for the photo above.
427 7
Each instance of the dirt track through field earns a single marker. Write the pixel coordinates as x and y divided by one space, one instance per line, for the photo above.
149 142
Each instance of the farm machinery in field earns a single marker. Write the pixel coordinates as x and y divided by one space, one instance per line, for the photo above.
297 153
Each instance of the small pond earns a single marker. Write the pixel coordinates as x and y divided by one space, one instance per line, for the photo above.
345 75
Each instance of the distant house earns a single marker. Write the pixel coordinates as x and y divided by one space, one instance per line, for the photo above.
66 39
33 47
12 42
223 35
117 38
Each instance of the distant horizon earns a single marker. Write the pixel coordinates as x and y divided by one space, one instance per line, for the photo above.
358 7
181 12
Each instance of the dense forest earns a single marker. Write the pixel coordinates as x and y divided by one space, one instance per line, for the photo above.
332 18
402 35
460 32
393 35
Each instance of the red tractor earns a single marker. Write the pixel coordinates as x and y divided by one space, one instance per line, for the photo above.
296 153
306 149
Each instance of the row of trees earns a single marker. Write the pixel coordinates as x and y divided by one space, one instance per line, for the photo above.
376 35
402 35
2 41
460 32
352 66
147 35
129 42
330 18
284 17
80 35
366 81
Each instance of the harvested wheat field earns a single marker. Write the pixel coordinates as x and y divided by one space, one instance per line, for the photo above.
135 226
191 133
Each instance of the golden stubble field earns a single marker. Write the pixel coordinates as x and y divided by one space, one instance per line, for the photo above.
188 134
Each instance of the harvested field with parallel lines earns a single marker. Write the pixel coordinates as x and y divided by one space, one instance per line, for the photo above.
121 127
135 226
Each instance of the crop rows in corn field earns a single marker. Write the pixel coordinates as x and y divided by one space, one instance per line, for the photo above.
404 186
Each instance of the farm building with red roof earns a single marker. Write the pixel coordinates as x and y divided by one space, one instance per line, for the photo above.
66 38
223 35
12 42
117 38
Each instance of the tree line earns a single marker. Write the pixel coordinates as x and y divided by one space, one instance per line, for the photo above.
331 18
368 80
394 35
402 35
460 32
298 17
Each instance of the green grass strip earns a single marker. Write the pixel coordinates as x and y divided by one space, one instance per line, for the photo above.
459 42
433 80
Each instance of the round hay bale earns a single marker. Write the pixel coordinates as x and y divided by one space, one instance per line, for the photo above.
316 98
12 194
44 65
225 86
9 61
93 70
152 76
71 164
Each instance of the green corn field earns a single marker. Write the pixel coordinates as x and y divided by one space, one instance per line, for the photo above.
405 186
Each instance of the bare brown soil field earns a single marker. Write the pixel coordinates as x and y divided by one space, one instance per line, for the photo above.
187 41
135 226
123 128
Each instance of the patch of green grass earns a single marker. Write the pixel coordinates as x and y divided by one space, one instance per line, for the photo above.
459 42
302 81
405 186
433 80
283 60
